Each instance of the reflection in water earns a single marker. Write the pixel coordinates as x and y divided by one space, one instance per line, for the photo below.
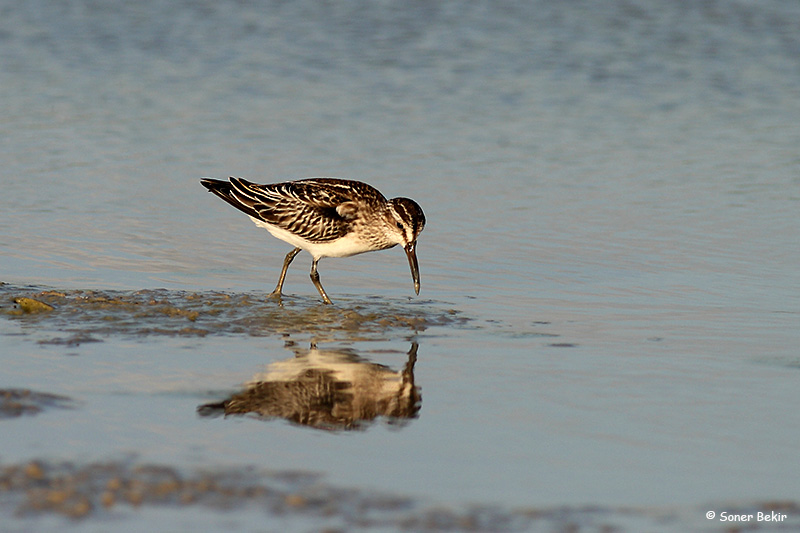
327 389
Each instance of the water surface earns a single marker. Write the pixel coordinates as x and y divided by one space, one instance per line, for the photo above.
609 306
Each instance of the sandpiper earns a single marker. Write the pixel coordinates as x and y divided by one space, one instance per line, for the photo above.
327 217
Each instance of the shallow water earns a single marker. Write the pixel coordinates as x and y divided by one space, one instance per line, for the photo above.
609 309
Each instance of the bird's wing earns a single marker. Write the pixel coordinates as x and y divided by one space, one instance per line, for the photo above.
318 210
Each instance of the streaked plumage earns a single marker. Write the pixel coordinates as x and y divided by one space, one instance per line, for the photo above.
327 389
327 217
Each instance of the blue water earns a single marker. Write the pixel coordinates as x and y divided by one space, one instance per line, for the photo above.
612 198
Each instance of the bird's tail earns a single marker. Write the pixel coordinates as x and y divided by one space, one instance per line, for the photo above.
224 189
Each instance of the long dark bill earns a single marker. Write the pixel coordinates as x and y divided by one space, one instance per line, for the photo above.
411 252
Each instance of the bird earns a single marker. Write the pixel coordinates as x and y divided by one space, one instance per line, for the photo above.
330 389
327 217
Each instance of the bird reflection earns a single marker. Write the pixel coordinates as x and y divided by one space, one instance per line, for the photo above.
327 389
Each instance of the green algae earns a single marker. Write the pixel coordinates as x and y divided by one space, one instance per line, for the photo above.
88 315
30 306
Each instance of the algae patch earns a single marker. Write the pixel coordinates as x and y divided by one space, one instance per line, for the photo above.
88 315
81 491
29 305
95 493
18 402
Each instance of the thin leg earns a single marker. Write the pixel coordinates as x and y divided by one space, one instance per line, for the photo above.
286 262
317 284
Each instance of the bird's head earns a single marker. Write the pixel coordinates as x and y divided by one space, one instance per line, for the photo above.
406 221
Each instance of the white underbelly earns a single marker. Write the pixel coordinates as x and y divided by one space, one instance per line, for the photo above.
344 247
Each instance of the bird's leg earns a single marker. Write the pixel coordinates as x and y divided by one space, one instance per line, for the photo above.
317 284
286 262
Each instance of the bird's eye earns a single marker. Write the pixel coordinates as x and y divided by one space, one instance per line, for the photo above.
399 226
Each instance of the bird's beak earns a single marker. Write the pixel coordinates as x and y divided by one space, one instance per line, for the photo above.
411 252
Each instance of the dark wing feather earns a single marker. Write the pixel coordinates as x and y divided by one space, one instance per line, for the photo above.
307 208
224 189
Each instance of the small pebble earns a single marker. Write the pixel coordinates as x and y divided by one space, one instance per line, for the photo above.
80 509
34 470
295 500
107 499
